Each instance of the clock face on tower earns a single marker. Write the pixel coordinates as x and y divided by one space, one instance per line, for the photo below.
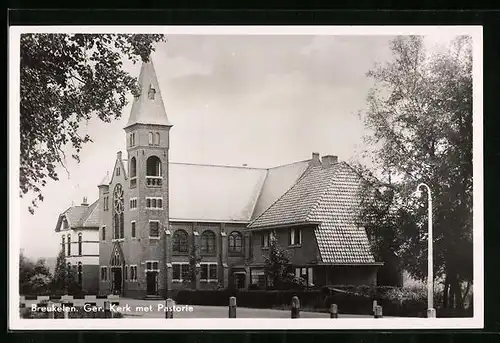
118 198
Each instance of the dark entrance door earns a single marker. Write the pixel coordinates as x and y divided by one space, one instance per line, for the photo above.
151 280
239 280
117 280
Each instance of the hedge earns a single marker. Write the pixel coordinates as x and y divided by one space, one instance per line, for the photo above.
405 302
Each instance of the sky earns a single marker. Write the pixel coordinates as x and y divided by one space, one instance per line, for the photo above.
262 101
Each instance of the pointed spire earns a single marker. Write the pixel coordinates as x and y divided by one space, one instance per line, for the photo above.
148 108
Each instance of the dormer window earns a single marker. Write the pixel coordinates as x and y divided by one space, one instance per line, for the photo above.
151 93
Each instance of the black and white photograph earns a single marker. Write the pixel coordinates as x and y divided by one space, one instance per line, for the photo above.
314 177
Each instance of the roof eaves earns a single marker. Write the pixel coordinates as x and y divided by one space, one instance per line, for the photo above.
267 227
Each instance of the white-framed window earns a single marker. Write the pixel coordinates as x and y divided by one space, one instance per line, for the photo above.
208 272
150 138
154 229
154 203
133 273
294 236
266 238
306 274
152 266
132 229
180 271
104 273
133 203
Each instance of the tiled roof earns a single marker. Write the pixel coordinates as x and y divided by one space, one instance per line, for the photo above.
82 216
328 196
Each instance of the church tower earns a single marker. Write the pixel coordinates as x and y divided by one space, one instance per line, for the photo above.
147 139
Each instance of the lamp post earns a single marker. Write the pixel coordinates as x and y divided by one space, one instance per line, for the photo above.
431 312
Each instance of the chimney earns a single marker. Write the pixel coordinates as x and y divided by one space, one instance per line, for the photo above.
85 203
315 159
328 160
119 155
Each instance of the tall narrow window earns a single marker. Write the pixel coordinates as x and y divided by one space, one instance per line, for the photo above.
80 274
64 245
154 229
208 242
133 230
151 93
118 209
150 138
235 242
103 233
133 167
157 139
80 244
294 236
69 245
180 242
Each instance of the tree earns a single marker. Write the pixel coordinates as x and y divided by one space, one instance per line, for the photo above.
64 278
66 79
194 264
277 262
420 117
34 278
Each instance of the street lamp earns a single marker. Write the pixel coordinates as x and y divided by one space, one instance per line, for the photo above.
431 312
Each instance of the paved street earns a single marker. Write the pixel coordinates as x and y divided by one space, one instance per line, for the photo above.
213 311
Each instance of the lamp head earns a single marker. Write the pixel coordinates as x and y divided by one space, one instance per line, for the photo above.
418 193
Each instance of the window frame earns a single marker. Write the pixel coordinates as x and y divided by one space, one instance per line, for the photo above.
233 248
133 273
209 279
103 233
159 229
132 204
176 235
156 200
204 248
295 236
80 244
181 274
133 229
104 272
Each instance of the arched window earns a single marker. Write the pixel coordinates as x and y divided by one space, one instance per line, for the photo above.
208 242
116 260
80 244
63 245
235 242
180 241
150 138
157 139
80 274
69 245
153 166
118 222
133 167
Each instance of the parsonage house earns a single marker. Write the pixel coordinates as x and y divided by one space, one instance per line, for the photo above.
151 211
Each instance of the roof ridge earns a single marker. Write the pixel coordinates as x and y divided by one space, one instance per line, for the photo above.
260 193
217 165
325 191
282 195
289 164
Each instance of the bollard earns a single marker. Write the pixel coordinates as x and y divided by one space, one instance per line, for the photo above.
232 307
431 313
169 303
334 311
107 310
374 306
378 312
295 307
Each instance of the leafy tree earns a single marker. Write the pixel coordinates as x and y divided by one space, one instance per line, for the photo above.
34 278
66 79
194 264
420 117
64 280
277 262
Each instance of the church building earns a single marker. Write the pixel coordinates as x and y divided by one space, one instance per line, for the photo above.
151 212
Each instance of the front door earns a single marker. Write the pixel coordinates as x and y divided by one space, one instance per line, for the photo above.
151 281
239 280
117 280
